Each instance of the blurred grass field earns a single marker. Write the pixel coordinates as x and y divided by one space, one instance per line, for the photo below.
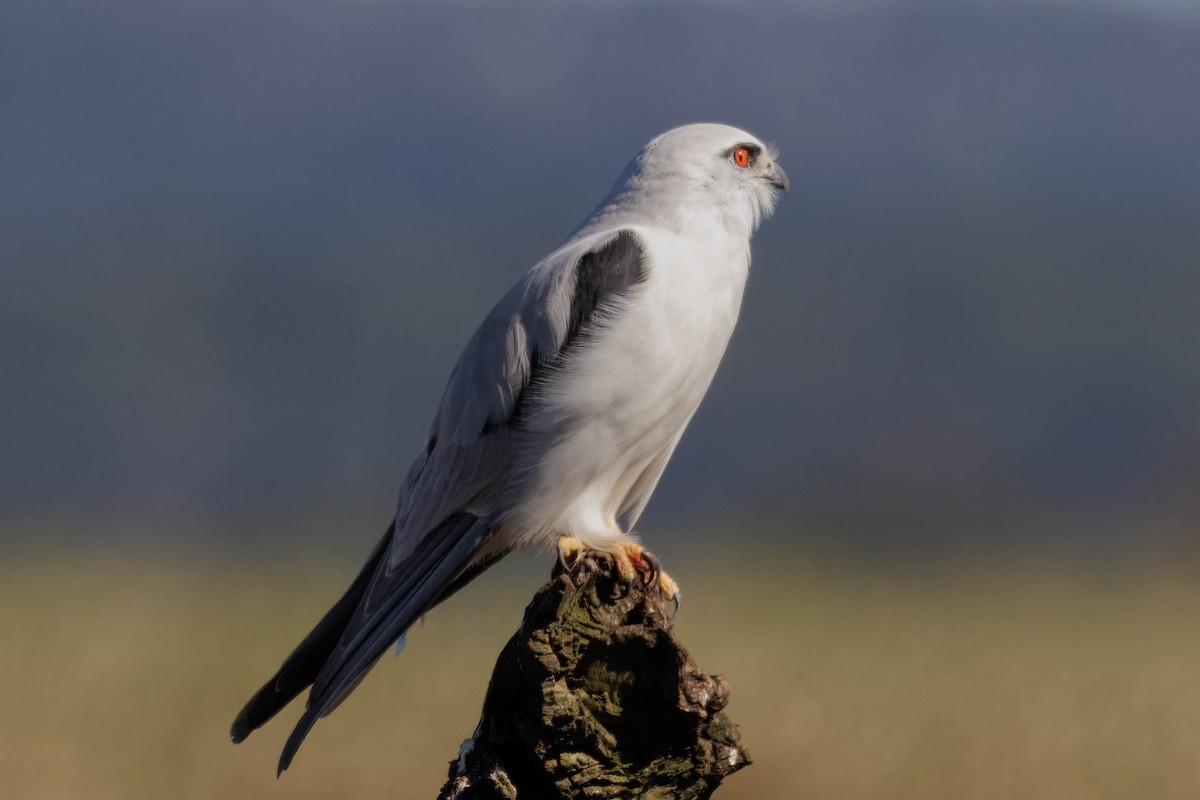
119 676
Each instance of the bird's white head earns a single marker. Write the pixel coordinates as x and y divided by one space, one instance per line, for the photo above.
699 177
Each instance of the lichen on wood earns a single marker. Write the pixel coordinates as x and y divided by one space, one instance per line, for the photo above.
595 697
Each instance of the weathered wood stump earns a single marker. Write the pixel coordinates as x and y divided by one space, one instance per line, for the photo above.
595 697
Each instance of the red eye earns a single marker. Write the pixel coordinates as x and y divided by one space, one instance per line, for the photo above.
741 157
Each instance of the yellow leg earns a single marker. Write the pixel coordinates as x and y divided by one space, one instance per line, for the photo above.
569 549
633 561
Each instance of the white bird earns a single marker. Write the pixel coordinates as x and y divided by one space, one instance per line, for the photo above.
564 407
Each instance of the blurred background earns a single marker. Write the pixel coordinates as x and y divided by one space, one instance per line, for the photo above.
936 520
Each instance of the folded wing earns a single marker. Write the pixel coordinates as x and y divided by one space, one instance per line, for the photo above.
451 499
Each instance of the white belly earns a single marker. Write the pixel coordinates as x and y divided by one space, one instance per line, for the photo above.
631 390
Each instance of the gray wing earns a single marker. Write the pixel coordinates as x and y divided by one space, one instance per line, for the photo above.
449 500
513 355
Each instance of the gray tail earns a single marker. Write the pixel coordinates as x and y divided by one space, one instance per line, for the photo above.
304 664
397 593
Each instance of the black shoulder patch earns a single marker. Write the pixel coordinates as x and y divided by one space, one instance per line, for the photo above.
601 277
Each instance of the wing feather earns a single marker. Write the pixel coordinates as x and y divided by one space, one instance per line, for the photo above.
456 490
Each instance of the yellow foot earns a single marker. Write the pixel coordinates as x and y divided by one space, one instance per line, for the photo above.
635 561
569 550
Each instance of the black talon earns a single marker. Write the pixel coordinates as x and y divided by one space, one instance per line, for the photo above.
626 586
655 569
569 568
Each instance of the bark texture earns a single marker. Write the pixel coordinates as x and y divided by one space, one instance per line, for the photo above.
594 697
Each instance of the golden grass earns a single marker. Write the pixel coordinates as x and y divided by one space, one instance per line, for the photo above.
119 677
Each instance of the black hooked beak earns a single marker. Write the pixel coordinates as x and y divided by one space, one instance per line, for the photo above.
779 179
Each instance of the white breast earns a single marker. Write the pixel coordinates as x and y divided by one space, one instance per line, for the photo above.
629 391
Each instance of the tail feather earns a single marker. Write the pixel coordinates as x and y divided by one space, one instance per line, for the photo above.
304 664
394 599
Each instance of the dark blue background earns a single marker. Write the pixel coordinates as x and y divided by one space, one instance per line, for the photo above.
242 243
